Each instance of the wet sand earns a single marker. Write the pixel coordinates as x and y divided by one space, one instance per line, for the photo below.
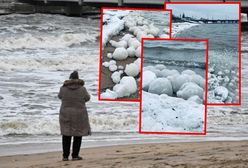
106 81
177 155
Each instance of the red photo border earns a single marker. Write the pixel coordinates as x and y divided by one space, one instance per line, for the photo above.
206 87
239 47
100 62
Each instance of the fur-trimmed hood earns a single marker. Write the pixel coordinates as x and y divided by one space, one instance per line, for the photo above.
73 83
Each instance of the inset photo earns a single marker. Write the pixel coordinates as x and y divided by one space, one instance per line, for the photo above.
121 33
174 83
221 24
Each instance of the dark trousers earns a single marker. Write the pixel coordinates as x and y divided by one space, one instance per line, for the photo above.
66 142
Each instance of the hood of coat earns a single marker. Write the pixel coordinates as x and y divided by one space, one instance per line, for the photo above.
73 83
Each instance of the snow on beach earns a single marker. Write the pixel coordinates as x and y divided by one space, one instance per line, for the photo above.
172 101
130 27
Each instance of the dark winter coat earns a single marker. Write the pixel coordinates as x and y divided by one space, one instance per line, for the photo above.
73 115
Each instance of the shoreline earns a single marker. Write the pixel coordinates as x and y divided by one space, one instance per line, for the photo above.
46 146
178 154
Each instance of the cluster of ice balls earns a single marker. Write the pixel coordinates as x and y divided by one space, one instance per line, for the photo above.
222 85
129 46
186 85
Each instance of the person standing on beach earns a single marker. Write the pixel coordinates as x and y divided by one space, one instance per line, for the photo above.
73 116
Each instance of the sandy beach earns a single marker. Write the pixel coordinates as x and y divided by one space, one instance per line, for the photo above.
180 155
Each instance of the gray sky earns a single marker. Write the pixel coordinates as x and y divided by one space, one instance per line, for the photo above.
210 11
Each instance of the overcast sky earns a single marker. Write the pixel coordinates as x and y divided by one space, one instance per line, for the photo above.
210 11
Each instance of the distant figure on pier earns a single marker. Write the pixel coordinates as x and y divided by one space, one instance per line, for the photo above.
73 115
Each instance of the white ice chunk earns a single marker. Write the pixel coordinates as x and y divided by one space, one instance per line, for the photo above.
132 69
106 64
116 77
190 89
120 54
221 93
160 67
164 36
188 72
196 99
179 81
148 77
131 51
199 80
109 55
126 37
126 87
138 52
120 67
133 42
119 44
161 86
112 62
112 67
138 63
168 72
109 94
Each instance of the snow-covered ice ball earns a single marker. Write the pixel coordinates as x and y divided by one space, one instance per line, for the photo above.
120 53
126 87
226 79
133 42
190 89
196 99
157 72
116 77
121 90
153 30
198 79
211 70
148 77
168 72
149 36
109 55
132 69
220 73
227 71
179 81
130 82
188 72
112 62
221 93
119 44
148 68
120 67
213 82
164 36
130 23
138 63
112 67
161 86
141 34
160 67
131 51
126 37
109 94
106 64
138 52
228 100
